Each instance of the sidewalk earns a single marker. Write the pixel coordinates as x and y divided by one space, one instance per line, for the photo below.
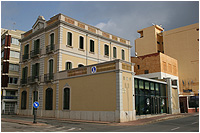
142 121
153 119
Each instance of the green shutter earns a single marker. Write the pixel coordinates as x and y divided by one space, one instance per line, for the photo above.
51 66
52 38
69 39
26 72
23 73
37 67
33 70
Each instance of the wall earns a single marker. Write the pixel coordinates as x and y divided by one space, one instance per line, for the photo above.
183 45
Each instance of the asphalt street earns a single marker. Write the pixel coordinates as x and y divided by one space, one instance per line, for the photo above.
184 124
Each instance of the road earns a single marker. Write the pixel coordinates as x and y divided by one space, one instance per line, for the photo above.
185 124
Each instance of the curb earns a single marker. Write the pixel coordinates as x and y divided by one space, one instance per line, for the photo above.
23 122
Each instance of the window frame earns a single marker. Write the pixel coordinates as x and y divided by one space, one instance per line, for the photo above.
123 54
23 103
71 41
66 65
47 98
92 49
69 102
106 54
115 52
80 42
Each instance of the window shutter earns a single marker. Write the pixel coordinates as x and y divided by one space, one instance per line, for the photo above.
33 70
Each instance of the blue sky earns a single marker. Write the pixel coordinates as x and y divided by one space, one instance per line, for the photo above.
116 17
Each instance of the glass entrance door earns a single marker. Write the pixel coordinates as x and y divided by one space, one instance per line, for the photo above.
155 105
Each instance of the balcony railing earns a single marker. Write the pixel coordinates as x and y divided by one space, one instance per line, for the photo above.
35 53
50 49
33 79
25 57
9 97
24 81
48 77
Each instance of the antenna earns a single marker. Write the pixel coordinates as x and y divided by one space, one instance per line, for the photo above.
14 26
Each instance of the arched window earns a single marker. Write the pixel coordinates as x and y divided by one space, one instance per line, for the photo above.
23 99
49 99
80 65
68 65
66 100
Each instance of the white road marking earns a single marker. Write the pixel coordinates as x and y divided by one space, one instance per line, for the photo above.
175 128
70 129
194 123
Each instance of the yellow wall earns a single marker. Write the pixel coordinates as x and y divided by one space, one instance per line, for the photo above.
91 93
183 45
147 44
127 91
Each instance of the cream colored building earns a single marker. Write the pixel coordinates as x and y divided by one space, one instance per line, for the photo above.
10 54
180 43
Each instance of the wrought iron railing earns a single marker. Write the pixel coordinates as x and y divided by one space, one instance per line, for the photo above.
35 53
25 57
33 79
49 49
48 77
24 81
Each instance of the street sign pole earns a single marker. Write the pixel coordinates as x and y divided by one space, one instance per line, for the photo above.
35 105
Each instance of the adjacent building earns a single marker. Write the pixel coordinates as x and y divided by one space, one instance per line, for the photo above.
10 54
181 44
164 68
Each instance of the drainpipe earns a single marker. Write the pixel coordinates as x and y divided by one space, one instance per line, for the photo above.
110 52
86 50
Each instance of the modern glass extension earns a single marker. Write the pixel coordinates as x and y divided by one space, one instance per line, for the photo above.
150 97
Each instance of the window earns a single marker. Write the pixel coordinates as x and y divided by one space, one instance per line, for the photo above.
3 42
23 100
35 70
146 71
51 66
14 54
106 50
12 80
114 52
2 54
14 41
69 38
36 46
123 55
91 46
49 99
35 96
138 66
158 42
24 73
52 39
68 65
66 98
80 65
26 49
13 67
81 42
10 93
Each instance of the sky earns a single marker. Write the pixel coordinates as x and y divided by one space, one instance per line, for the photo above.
120 18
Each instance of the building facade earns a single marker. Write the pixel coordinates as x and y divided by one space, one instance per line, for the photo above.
10 54
160 67
183 45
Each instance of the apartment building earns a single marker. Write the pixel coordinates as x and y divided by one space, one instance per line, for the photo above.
163 68
181 44
10 54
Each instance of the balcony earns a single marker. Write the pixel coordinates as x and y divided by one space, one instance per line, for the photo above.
33 79
25 57
49 49
9 97
24 81
35 53
48 77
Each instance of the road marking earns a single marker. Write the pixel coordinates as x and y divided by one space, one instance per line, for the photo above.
175 128
70 129
194 123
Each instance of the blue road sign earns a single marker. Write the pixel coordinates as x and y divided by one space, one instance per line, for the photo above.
94 69
35 104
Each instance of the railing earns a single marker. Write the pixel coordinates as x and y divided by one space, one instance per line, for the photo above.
25 57
9 97
48 77
33 79
24 81
49 49
35 53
